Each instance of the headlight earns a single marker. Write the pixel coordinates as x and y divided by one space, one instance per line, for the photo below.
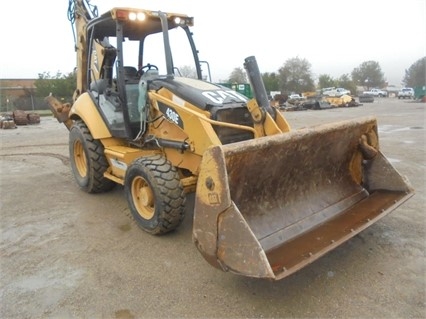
130 15
141 16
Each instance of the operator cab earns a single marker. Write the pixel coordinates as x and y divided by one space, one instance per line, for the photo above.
128 49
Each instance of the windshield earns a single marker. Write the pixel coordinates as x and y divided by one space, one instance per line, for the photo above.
154 53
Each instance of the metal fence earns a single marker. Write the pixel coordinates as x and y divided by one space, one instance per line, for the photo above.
30 103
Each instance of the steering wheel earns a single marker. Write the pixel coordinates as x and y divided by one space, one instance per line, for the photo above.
145 68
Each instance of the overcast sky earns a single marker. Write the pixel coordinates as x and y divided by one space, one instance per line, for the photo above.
334 36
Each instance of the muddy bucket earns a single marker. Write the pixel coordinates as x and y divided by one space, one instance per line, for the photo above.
267 207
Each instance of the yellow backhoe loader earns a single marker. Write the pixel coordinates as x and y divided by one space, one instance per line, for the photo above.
268 200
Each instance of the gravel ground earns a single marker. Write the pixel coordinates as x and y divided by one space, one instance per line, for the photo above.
68 254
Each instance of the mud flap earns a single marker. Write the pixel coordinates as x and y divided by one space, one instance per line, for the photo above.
268 207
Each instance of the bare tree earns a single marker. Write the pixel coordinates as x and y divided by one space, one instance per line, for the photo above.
187 71
238 75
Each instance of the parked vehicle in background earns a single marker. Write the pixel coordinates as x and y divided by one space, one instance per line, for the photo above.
336 92
295 97
406 93
376 92
325 90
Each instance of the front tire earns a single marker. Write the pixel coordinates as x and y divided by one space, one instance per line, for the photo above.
155 194
88 161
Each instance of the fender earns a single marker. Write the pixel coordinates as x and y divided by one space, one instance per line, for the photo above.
85 108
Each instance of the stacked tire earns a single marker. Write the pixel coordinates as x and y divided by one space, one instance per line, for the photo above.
33 118
23 118
20 117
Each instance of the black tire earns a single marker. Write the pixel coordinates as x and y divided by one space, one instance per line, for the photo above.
317 106
88 161
33 118
20 117
155 194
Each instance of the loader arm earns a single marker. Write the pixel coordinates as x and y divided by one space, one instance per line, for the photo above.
266 119
80 12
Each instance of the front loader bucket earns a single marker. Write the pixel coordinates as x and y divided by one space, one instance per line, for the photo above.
267 207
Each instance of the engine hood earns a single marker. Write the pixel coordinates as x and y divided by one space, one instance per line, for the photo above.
202 94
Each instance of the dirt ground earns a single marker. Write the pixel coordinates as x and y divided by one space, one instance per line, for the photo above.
68 254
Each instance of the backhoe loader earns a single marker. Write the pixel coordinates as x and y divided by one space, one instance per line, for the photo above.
269 200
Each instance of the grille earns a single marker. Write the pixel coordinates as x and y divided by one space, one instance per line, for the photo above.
236 115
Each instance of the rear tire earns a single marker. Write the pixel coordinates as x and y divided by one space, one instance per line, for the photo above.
155 194
88 161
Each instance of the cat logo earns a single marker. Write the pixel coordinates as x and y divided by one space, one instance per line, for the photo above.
171 114
220 96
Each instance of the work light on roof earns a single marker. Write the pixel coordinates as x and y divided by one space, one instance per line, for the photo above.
178 20
141 16
136 16
132 16
183 21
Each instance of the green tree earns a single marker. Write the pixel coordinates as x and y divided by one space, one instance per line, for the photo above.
27 100
296 76
346 82
326 81
369 74
270 80
238 75
60 85
416 74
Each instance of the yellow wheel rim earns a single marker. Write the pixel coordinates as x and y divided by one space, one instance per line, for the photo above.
80 159
143 198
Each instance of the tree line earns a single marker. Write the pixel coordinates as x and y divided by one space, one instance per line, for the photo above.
295 76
